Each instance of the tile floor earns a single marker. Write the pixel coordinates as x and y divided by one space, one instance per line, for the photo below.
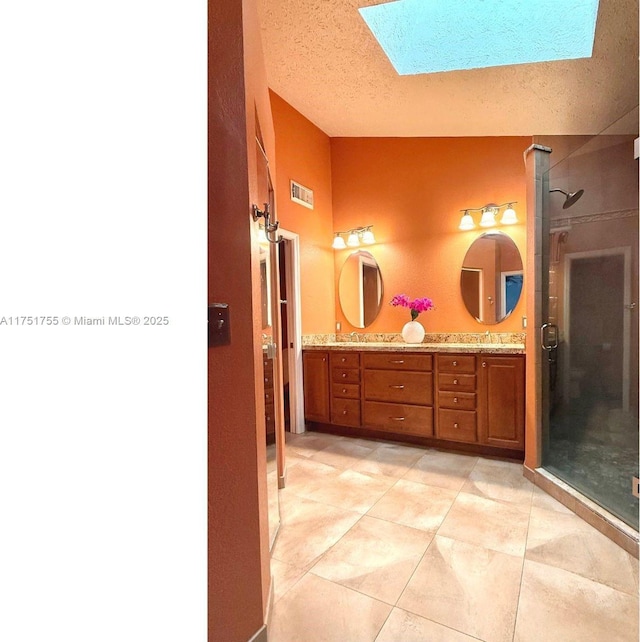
393 543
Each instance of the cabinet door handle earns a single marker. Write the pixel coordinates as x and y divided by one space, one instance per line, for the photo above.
455 400
455 363
397 361
397 418
398 387
344 412
484 364
455 425
344 359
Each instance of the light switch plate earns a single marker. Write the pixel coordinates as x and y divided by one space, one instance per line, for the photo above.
219 327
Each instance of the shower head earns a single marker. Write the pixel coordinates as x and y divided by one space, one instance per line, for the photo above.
570 197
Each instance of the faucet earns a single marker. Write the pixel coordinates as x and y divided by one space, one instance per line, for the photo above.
356 335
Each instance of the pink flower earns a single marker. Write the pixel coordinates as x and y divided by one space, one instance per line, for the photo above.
402 300
416 306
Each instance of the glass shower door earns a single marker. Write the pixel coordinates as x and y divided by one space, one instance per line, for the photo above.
590 334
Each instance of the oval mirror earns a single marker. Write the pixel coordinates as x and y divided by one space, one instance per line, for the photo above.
492 278
360 289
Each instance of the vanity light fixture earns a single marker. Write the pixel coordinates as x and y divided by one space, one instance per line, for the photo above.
355 237
488 218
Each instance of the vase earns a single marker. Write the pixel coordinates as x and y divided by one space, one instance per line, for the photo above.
413 332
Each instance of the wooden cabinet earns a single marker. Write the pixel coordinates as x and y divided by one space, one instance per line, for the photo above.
269 406
315 370
464 398
502 394
480 399
457 418
398 393
345 388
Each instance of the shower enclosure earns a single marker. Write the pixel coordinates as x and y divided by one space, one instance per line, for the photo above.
590 316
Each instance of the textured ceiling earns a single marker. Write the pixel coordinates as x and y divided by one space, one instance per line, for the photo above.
323 60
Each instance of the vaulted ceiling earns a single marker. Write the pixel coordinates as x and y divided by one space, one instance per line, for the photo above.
322 59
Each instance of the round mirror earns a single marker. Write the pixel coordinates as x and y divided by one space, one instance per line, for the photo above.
491 278
360 289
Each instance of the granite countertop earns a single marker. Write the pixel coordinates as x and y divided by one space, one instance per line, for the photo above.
470 348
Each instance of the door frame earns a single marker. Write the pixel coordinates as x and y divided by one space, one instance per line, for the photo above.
294 328
625 252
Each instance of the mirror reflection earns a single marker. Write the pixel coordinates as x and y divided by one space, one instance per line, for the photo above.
360 289
492 278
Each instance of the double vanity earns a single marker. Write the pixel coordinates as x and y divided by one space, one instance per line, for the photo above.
464 396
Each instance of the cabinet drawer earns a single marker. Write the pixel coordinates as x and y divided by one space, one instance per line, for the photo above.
398 361
456 382
465 363
398 418
457 425
345 359
345 412
270 418
345 375
399 386
346 390
457 400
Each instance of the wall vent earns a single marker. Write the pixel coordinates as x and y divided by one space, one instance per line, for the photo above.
302 195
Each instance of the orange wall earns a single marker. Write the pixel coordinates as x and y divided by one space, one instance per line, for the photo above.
304 155
238 556
411 190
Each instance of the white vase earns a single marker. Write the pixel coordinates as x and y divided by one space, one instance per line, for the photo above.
413 332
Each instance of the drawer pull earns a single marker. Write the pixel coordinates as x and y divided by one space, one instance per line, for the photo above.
397 387
266 380
344 412
343 359
484 364
344 374
344 390
455 382
397 418
455 400
455 426
455 363
397 361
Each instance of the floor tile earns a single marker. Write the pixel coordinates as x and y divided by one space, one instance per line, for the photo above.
402 626
416 505
308 476
316 610
349 490
500 480
390 460
568 542
284 577
375 557
444 470
345 453
308 444
544 500
634 570
467 588
309 529
559 606
484 522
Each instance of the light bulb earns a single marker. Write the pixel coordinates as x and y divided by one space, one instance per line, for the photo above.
466 223
509 217
367 237
353 240
338 243
488 218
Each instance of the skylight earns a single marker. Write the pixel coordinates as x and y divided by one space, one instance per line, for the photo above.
426 36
